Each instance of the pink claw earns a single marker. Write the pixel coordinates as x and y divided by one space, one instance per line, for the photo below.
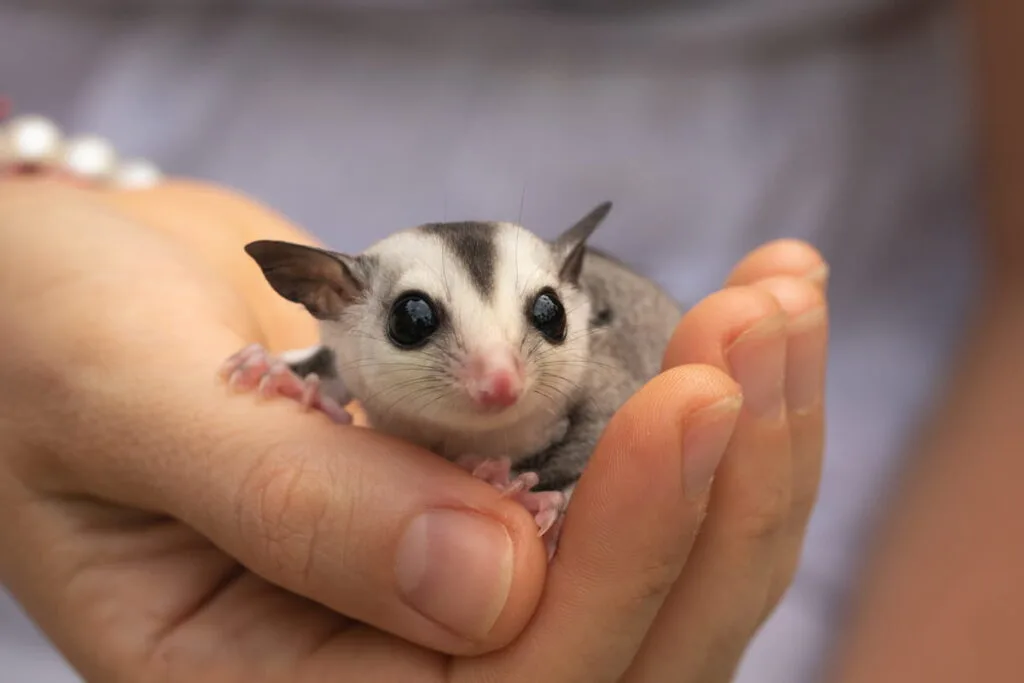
253 368
553 535
547 507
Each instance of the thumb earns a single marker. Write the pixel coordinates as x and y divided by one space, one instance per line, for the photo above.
373 528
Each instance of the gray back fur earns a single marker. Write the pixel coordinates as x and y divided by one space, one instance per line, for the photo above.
632 322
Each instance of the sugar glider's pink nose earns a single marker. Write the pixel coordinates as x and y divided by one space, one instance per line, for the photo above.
499 390
495 379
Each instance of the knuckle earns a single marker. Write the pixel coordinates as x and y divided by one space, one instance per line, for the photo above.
767 516
655 580
282 506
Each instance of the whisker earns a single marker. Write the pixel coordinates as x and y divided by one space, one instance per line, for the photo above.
414 382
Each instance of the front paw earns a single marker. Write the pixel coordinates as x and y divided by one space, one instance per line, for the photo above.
547 507
255 368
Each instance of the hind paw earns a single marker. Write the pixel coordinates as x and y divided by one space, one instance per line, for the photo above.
547 507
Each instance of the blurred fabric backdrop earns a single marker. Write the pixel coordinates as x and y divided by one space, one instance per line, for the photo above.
713 126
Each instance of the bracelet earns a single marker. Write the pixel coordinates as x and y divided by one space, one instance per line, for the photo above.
31 144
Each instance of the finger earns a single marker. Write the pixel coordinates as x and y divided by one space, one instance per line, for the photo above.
627 533
377 530
781 257
806 355
718 601
779 267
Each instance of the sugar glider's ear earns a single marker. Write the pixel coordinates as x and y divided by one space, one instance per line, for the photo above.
571 245
322 281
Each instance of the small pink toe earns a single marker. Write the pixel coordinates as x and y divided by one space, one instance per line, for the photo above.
545 520
495 471
310 389
333 410
244 370
521 484
279 380
553 535
469 462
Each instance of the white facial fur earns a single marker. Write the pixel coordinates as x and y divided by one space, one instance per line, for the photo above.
418 394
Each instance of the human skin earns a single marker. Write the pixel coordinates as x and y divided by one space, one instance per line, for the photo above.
168 530
942 598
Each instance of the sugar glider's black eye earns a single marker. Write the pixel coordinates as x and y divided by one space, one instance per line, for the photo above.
548 315
413 318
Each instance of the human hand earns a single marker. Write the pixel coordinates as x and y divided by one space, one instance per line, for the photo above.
167 532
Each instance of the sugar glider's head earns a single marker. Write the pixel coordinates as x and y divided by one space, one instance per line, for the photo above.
449 325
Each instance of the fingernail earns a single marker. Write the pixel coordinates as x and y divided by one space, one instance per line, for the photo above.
819 276
707 437
805 369
758 362
455 568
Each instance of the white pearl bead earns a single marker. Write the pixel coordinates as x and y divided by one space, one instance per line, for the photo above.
137 174
90 157
32 140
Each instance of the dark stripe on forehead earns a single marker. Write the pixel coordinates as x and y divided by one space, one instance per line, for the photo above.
473 245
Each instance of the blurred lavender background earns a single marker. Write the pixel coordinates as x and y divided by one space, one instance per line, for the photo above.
713 126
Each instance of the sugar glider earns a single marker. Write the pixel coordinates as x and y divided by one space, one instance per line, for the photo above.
480 341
